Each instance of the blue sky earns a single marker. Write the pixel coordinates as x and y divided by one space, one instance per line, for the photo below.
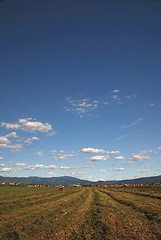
80 88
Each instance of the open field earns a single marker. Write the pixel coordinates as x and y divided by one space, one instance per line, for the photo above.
80 213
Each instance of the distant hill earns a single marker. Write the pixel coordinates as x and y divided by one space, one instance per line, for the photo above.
155 179
67 180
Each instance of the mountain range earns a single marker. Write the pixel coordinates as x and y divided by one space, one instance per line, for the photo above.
67 180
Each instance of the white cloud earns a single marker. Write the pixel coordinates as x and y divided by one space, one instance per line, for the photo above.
159 148
89 177
52 152
102 170
133 123
76 167
38 153
119 157
114 152
7 169
144 170
34 138
131 163
51 166
15 150
4 145
15 146
62 157
12 134
75 173
29 140
116 91
40 166
94 150
106 103
136 157
33 167
145 151
36 126
4 140
1 157
98 158
119 169
52 133
2 164
10 125
29 126
115 97
19 164
50 174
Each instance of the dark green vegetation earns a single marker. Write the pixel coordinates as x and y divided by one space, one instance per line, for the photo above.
80 213
66 180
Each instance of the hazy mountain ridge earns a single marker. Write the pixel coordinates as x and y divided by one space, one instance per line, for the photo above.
67 180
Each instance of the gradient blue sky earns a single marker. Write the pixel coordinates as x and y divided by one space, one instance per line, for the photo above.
80 88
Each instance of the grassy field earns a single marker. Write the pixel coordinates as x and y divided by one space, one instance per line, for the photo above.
80 213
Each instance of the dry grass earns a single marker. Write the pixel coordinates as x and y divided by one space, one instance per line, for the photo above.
80 213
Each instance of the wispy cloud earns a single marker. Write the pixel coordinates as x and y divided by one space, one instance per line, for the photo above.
133 123
76 167
123 136
129 162
38 153
87 107
82 106
152 105
119 98
61 156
